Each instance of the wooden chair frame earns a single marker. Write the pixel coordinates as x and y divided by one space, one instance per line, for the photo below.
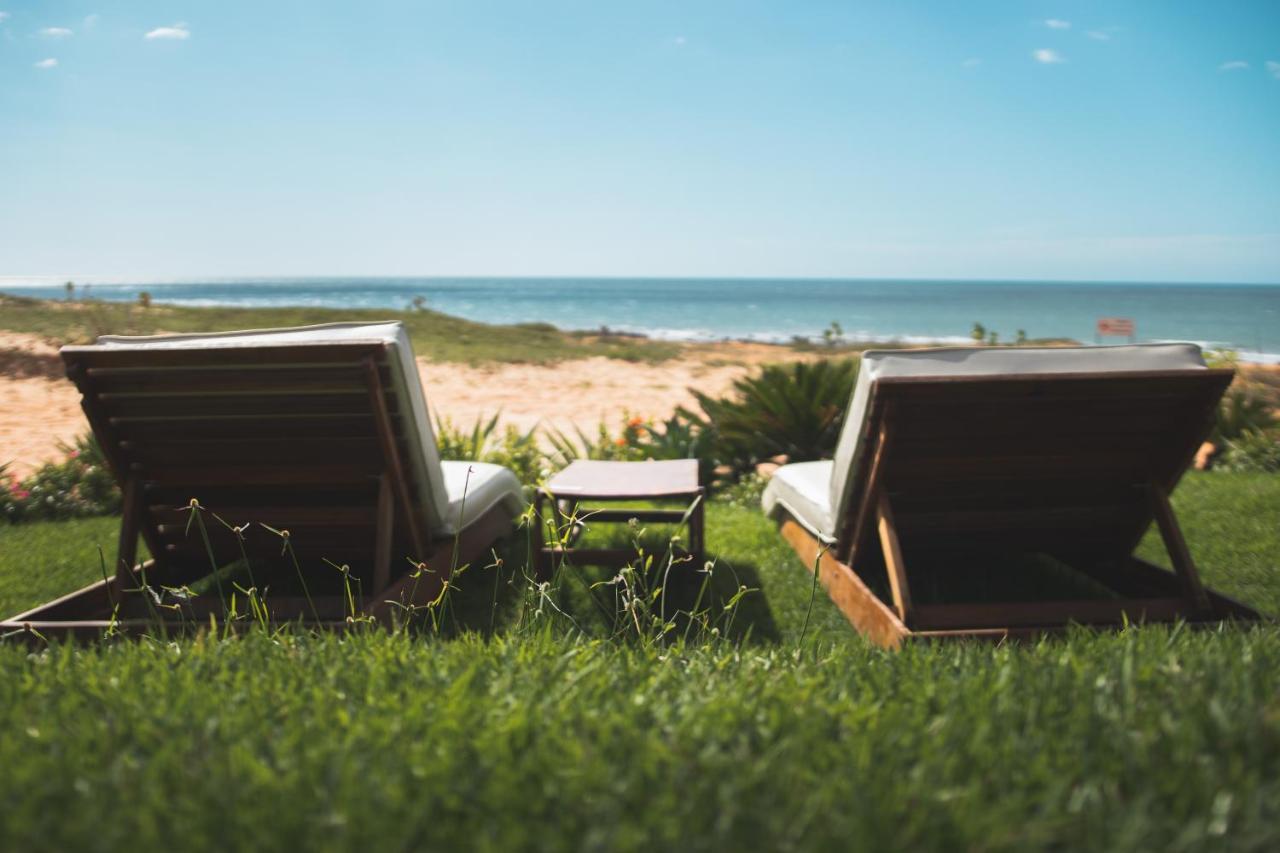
1116 444
298 421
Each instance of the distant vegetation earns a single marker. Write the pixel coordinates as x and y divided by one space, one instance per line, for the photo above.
438 337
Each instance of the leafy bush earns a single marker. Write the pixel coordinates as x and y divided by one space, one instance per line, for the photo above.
1242 410
1253 451
510 448
681 436
793 410
79 486
745 493
624 447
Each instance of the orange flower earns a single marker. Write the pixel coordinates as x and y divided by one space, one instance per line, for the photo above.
635 422
620 441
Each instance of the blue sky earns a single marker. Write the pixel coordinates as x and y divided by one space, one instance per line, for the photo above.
1110 141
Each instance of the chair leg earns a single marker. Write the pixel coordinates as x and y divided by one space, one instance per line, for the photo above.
127 547
1179 554
898 585
698 531
382 536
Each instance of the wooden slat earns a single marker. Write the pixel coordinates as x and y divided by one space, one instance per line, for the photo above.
89 357
1014 415
669 516
862 607
180 407
250 451
945 494
1137 385
195 475
1097 517
1124 468
257 537
280 380
245 426
1029 443
1085 611
278 516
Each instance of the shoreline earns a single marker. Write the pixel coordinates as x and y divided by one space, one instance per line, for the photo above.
853 342
762 310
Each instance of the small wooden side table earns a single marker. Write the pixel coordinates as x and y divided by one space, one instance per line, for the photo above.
614 482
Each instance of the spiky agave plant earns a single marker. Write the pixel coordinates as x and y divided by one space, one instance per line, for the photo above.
794 410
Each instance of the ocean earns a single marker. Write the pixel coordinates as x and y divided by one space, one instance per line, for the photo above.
1245 318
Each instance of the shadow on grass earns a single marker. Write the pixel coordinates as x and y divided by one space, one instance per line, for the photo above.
490 597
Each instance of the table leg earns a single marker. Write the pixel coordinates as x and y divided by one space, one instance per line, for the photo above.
541 554
697 531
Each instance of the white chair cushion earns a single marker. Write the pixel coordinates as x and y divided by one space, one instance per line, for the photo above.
476 487
803 490
983 361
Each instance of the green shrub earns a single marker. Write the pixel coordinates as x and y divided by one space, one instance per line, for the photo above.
520 452
1242 410
511 448
793 410
624 447
79 486
1254 450
746 492
679 437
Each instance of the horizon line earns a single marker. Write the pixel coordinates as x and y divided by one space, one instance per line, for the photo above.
60 279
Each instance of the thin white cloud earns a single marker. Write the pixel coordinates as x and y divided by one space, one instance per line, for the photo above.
1045 56
1057 24
971 62
1233 65
91 21
1273 68
177 31
677 41
55 32
4 16
47 63
1099 35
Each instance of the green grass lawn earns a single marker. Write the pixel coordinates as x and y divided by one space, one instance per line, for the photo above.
436 336
525 738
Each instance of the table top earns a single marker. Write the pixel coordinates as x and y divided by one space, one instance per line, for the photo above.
591 478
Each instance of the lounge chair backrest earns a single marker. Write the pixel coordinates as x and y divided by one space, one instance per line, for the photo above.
311 419
987 428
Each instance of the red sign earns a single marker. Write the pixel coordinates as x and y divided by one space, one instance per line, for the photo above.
1120 327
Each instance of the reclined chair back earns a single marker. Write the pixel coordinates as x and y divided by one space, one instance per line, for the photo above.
320 432
956 463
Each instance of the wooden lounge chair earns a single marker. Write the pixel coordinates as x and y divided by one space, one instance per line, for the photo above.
994 492
320 431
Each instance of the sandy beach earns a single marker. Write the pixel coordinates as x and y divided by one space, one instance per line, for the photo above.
42 408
